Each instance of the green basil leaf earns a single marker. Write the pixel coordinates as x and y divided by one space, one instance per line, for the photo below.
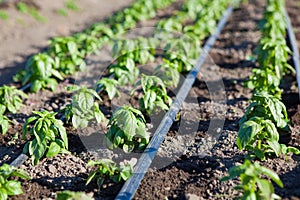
13 187
53 150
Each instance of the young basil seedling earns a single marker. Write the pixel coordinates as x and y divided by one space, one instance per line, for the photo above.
11 99
84 107
108 170
50 137
127 129
252 185
41 72
10 187
155 94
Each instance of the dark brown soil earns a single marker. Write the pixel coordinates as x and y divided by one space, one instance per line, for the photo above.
193 157
197 176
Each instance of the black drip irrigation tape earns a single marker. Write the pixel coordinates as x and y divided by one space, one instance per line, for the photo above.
131 185
25 87
19 160
295 50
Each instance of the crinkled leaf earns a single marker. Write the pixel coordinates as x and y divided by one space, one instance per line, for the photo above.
13 187
275 146
247 132
53 150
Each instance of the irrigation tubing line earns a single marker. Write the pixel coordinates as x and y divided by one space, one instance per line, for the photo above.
131 185
295 50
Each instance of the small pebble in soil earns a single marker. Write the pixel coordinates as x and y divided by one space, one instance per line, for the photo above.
191 197
54 106
52 169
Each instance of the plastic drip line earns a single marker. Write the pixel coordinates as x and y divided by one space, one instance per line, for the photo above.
131 185
295 50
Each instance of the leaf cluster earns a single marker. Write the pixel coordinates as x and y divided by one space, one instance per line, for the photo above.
140 10
154 94
272 51
182 52
41 71
4 123
66 55
125 71
49 135
109 86
84 107
70 195
11 187
10 101
140 50
127 129
168 73
266 117
253 184
260 127
107 169
206 18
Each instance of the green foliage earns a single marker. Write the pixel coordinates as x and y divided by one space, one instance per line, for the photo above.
203 13
206 19
3 15
140 10
183 64
4 124
109 86
168 73
140 50
260 137
186 46
10 99
253 185
83 108
88 44
36 15
265 80
127 129
22 7
266 117
70 195
170 24
155 94
259 127
101 31
62 12
49 134
267 107
182 52
41 72
193 7
19 75
67 55
273 54
10 187
71 5
273 23
125 71
108 170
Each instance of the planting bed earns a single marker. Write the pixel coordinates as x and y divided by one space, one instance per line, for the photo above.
196 175
193 157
